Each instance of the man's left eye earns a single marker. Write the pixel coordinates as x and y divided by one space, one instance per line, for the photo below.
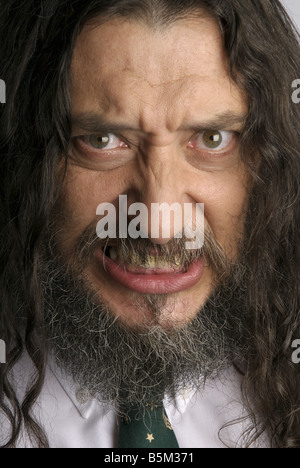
103 141
212 140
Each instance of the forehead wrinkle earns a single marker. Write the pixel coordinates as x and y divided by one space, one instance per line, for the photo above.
145 91
166 108
181 81
147 54
119 95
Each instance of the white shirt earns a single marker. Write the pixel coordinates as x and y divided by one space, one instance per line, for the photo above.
71 420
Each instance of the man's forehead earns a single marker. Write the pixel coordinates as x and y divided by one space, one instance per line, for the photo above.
124 66
133 48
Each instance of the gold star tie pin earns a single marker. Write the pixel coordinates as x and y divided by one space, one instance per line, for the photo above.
150 437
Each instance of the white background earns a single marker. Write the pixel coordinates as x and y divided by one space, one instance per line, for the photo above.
293 9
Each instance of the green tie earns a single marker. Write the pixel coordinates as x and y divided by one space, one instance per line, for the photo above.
152 431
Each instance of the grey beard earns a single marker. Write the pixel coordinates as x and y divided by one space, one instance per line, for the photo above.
128 368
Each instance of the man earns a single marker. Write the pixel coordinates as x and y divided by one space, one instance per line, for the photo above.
110 104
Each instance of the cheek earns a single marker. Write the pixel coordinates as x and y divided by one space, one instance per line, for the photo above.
83 192
226 210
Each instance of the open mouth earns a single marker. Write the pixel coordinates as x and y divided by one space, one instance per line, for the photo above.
152 274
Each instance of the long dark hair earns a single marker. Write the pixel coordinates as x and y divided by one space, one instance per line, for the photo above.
36 43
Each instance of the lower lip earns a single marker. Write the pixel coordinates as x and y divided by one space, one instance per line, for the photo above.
158 283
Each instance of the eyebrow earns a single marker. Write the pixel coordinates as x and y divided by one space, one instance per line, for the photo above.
95 123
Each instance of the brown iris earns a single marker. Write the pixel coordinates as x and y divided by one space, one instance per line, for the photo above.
212 139
99 141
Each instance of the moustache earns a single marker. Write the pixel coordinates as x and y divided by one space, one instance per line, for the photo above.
141 251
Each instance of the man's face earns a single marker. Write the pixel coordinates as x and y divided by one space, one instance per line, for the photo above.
156 118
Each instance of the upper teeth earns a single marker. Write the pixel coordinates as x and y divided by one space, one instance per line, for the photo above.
113 253
150 261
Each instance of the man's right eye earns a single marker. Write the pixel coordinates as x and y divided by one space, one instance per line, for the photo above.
100 141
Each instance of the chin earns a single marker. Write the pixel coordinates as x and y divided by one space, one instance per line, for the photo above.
143 311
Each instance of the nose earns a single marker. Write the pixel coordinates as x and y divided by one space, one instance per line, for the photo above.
160 194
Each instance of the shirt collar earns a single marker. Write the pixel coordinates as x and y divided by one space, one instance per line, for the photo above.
86 404
81 399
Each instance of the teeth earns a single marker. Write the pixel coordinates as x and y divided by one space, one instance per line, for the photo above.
150 261
113 253
135 260
178 260
159 263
